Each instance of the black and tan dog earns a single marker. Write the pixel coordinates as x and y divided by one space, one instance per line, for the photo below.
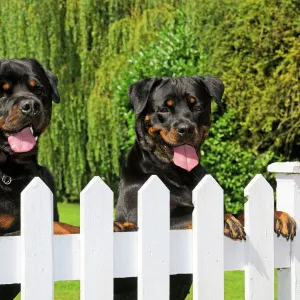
173 116
26 93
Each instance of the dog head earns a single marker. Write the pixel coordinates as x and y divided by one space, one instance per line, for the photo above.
26 93
173 116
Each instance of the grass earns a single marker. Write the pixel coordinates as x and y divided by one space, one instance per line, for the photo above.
69 290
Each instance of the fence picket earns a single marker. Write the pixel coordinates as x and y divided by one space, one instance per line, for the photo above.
259 225
208 241
288 200
96 230
36 241
37 258
153 240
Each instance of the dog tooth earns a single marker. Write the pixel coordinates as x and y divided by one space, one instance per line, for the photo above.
31 129
36 138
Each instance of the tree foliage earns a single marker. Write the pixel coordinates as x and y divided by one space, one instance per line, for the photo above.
255 50
98 49
85 43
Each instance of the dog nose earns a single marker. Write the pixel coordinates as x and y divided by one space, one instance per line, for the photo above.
30 107
185 130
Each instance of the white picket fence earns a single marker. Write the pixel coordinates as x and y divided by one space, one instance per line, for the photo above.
37 258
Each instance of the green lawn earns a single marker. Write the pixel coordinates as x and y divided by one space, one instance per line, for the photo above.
69 290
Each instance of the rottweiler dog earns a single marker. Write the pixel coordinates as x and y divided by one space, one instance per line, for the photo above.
26 93
173 117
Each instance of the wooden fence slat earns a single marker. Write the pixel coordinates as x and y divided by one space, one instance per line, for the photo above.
208 241
153 240
288 200
259 225
284 288
10 259
96 230
36 241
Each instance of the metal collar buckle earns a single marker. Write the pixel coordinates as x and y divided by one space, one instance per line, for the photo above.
6 179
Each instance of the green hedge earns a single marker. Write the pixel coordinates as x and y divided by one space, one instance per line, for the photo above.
98 49
233 164
254 46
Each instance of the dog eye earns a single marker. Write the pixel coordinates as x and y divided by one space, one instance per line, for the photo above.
164 110
39 91
198 108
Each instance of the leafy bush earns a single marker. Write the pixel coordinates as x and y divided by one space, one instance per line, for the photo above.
231 163
255 49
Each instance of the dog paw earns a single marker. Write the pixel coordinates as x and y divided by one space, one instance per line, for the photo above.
284 225
233 228
127 226
189 225
64 228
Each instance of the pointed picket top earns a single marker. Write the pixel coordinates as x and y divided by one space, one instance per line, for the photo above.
256 185
154 190
259 225
37 195
96 234
205 187
153 240
36 241
36 185
96 187
208 245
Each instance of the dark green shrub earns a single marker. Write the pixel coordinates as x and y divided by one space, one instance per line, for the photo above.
230 162
256 50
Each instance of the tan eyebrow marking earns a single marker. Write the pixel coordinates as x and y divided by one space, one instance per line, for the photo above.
147 118
170 102
32 83
192 100
6 86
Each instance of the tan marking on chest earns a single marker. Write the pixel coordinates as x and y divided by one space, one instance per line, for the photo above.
6 221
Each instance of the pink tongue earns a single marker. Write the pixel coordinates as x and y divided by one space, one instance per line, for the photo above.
22 141
185 157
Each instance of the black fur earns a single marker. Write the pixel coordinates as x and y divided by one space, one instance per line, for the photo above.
22 167
153 155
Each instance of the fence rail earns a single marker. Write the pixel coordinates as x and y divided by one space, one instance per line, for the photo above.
96 256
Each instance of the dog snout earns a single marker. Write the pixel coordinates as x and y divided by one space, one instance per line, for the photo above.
185 130
30 107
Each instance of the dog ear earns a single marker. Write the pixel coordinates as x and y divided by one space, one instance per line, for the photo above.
139 93
214 86
53 80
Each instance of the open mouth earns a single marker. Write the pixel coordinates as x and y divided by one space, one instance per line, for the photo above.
185 157
23 140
